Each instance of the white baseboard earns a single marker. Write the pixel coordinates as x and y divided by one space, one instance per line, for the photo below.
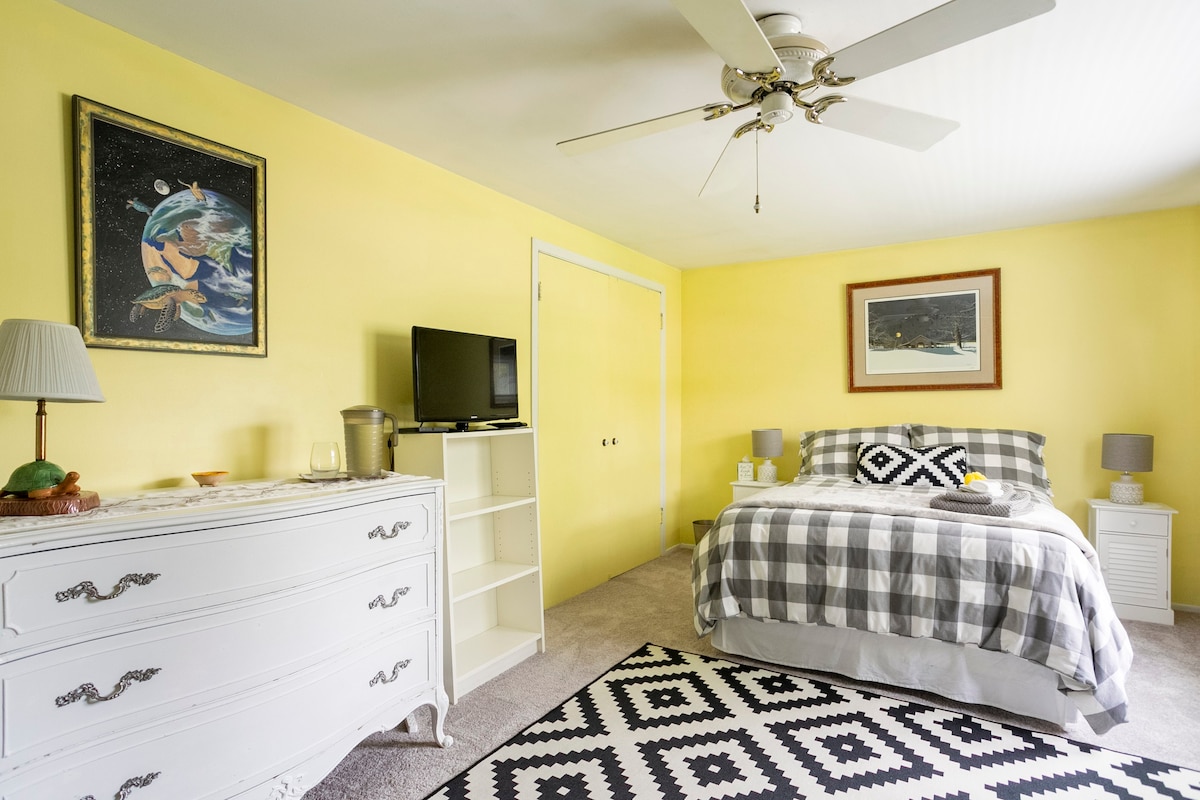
681 546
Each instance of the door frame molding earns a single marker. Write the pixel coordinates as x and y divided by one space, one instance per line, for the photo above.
540 248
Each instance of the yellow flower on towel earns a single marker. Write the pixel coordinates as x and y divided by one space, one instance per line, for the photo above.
973 476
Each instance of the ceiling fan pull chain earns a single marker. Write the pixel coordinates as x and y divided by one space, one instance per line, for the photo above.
756 203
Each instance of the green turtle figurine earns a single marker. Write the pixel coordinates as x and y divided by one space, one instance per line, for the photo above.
32 477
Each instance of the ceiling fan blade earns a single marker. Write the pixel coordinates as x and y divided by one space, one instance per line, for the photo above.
626 133
901 127
937 29
730 30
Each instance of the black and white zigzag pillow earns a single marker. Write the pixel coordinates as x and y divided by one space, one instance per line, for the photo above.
941 465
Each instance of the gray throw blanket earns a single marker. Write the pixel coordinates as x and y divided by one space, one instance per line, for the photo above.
1009 504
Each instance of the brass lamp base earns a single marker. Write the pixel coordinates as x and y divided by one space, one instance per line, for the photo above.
46 506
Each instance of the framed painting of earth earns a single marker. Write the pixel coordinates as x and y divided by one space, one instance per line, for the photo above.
932 332
171 234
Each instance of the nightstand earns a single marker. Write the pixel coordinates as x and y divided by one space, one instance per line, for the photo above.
746 488
1134 543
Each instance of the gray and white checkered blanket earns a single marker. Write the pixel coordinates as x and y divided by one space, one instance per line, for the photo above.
828 551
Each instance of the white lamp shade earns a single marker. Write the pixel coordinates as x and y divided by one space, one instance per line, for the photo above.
45 361
766 442
1127 452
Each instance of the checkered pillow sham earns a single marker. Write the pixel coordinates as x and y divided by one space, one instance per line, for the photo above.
942 466
834 451
1007 455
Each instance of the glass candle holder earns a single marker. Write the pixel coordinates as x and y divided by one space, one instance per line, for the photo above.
326 460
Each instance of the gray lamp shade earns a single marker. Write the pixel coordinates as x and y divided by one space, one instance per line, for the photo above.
1128 452
767 442
45 361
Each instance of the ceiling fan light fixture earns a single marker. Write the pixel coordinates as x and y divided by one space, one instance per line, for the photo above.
779 25
777 107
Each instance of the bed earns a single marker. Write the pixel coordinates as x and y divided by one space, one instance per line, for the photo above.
854 569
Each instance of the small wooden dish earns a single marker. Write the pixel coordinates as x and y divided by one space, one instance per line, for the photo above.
210 478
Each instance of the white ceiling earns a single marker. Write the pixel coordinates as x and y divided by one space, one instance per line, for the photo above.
1090 110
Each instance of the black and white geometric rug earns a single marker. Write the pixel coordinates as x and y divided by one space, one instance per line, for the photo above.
674 725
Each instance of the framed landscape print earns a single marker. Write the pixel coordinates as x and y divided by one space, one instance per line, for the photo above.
933 332
171 236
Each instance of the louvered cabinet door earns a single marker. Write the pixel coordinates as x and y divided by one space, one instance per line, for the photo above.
1134 545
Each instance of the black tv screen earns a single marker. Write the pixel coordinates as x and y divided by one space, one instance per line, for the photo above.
463 377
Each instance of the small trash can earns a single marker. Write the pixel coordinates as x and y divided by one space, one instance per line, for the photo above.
701 527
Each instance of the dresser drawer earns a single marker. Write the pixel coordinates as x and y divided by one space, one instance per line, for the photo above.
87 589
1132 522
228 750
168 668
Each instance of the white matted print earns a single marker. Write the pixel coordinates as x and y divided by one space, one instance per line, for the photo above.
923 333
933 332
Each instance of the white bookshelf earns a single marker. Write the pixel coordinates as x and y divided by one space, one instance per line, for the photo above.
492 549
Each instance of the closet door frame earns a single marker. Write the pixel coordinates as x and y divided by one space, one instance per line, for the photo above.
540 247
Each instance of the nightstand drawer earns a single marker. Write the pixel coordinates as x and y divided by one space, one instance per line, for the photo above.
1133 522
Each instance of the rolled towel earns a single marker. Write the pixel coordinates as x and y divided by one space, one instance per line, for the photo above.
966 495
986 487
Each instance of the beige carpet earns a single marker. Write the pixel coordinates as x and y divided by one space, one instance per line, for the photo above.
589 633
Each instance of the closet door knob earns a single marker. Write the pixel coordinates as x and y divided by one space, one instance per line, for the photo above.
614 441
604 443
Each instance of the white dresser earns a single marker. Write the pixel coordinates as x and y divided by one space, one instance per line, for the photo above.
220 643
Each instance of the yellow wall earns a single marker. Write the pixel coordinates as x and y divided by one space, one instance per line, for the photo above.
1100 335
364 241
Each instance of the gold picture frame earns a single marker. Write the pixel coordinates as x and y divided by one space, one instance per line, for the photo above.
171 235
926 333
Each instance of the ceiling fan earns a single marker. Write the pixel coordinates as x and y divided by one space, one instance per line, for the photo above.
774 67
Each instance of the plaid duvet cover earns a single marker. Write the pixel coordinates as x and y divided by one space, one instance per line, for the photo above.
1034 594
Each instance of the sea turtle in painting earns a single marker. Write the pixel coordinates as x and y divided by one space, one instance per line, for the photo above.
28 480
166 298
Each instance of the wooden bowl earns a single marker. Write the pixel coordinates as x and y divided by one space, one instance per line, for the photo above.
210 478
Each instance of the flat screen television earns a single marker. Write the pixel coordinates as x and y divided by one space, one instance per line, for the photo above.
459 378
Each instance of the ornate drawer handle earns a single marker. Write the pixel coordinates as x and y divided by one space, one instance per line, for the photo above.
380 602
89 692
129 785
381 533
89 589
380 677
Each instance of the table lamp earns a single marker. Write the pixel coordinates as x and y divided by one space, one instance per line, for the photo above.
767 443
44 362
1127 452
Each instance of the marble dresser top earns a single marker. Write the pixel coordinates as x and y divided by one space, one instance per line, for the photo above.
200 497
